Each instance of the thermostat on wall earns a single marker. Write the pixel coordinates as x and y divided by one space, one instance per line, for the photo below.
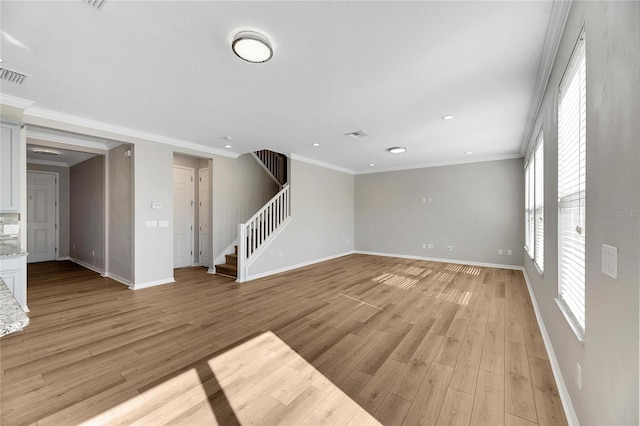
156 205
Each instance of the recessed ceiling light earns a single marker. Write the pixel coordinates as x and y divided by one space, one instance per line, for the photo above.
447 117
252 47
468 152
371 165
397 149
45 151
227 146
315 144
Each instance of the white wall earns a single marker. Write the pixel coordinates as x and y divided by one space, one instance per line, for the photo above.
609 354
475 208
322 220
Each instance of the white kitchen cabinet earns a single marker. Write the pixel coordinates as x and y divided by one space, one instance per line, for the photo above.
12 272
9 168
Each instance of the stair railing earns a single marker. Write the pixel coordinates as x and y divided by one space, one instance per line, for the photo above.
274 164
260 228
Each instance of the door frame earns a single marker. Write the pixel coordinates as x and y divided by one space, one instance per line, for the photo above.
193 215
56 209
207 219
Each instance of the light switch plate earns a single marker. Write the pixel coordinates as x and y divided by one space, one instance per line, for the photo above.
152 224
163 224
610 261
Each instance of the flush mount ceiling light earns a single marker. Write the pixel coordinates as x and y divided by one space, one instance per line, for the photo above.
315 144
227 146
468 153
397 149
447 117
252 47
45 151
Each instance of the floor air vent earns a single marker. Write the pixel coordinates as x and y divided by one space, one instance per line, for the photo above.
12 76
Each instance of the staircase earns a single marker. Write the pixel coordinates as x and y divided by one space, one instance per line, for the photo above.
230 267
263 225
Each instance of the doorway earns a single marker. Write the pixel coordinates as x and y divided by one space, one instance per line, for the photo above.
183 213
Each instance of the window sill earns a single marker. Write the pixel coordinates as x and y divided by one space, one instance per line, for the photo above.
577 330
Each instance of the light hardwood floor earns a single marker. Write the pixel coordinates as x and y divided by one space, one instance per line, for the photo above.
356 340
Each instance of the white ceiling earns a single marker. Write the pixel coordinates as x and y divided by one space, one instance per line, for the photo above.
390 68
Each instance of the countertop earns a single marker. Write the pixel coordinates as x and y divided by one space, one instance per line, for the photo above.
12 317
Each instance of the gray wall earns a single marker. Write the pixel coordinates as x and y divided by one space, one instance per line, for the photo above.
63 207
476 208
240 187
322 221
609 354
87 211
121 213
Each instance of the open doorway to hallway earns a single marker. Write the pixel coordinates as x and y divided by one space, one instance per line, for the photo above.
80 201
191 212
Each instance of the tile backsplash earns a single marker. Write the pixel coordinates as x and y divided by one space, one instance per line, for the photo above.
9 230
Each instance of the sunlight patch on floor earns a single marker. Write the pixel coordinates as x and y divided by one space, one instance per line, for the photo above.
396 280
264 382
471 270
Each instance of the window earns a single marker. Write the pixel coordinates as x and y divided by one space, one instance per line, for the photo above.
538 243
528 200
572 189
534 203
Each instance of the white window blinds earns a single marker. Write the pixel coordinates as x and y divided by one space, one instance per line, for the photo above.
528 195
539 204
571 186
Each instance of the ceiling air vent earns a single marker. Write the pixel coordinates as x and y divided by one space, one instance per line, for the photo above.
357 134
12 76
94 3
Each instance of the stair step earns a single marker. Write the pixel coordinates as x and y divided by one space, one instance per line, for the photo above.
227 269
231 259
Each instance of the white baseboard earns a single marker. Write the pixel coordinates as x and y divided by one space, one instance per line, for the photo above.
296 266
60 259
569 411
88 266
436 259
119 279
138 286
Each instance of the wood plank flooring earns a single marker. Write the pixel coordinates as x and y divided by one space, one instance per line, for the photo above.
356 340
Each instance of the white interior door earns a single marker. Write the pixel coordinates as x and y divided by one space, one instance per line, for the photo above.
203 199
41 217
183 216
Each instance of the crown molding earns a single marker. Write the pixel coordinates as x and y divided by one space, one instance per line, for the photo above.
123 131
14 101
557 21
440 164
68 140
320 164
47 162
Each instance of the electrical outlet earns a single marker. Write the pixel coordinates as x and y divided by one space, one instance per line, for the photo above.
449 248
579 376
424 246
509 252
424 200
500 251
347 242
74 246
280 254
430 246
93 252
